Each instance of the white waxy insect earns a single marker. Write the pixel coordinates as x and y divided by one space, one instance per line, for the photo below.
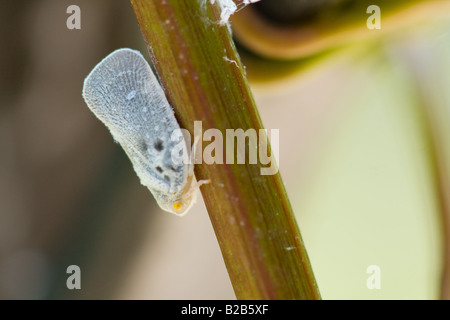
124 94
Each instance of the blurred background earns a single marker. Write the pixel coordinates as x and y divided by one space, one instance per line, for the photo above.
364 119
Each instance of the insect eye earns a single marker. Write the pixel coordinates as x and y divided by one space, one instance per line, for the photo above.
177 205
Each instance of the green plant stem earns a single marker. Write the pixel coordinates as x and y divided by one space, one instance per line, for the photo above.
204 79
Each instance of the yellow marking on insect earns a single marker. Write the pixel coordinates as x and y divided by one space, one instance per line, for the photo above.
177 205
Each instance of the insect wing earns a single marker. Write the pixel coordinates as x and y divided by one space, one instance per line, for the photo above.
124 94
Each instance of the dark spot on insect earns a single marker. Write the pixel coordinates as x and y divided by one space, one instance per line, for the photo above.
159 145
173 168
159 169
144 146
167 178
